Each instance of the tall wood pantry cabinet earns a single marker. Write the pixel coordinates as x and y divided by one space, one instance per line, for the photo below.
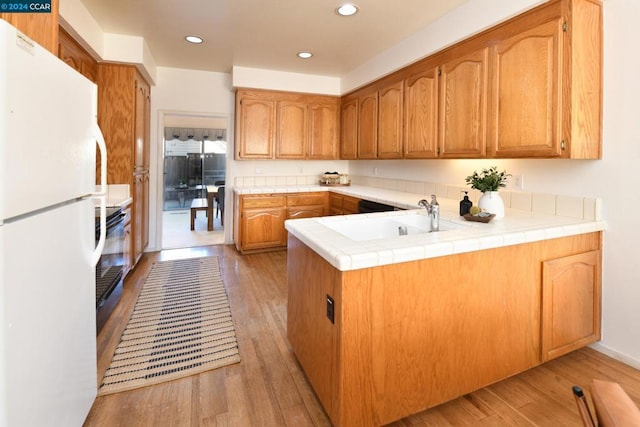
124 106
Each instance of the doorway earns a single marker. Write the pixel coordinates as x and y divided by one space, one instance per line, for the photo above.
194 162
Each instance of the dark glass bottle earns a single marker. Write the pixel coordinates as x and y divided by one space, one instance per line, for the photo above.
465 204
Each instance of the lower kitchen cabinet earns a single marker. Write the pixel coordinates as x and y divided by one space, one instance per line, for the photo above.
260 222
307 205
340 204
259 219
570 303
126 250
140 215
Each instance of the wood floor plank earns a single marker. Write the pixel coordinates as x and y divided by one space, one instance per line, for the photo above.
268 388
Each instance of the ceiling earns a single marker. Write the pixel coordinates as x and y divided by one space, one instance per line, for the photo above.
267 33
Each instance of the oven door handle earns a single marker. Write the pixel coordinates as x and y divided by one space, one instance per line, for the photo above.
101 195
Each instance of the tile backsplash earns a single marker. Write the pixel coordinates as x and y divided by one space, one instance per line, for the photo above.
552 204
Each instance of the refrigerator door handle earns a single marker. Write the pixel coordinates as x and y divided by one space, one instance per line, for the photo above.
102 195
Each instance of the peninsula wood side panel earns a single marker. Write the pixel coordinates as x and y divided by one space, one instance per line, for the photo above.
414 335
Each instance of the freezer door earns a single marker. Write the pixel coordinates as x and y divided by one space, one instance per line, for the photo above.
48 366
47 128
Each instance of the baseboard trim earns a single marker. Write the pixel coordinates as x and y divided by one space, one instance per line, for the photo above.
624 358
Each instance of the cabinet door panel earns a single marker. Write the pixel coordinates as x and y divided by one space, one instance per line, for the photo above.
349 130
323 132
421 115
390 112
570 303
138 216
525 112
350 205
263 228
463 106
139 126
368 126
256 126
291 139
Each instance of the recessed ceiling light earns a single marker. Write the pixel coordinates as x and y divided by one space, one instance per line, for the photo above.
194 39
347 9
305 55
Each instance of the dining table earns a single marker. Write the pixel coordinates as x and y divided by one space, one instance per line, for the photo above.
212 192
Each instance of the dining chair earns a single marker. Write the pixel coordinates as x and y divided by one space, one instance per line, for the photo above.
613 406
216 199
220 205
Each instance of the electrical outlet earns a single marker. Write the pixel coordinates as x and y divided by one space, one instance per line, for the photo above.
259 171
518 182
330 309
375 171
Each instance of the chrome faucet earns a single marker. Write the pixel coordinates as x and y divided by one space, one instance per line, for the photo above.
433 210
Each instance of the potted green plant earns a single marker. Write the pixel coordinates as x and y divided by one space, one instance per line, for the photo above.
489 181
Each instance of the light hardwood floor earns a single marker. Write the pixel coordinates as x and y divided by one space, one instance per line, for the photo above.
268 388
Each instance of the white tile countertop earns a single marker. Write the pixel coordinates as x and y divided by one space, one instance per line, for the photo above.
118 195
517 227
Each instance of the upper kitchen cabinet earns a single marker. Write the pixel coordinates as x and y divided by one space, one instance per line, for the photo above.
40 27
546 83
292 133
124 100
463 105
530 87
349 129
285 125
324 127
368 126
255 126
390 113
76 56
372 122
421 115
525 113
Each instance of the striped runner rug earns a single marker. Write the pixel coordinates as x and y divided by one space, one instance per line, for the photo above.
181 325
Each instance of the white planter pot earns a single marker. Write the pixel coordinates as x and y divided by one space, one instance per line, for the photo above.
491 202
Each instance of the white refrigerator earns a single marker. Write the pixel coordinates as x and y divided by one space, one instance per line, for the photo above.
48 136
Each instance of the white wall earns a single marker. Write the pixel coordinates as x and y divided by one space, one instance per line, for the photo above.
246 77
183 92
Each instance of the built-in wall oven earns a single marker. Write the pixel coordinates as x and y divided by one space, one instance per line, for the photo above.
110 267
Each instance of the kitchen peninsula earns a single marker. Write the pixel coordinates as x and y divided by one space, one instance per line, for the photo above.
389 327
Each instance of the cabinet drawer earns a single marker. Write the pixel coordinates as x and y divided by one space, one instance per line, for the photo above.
305 212
250 202
306 199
